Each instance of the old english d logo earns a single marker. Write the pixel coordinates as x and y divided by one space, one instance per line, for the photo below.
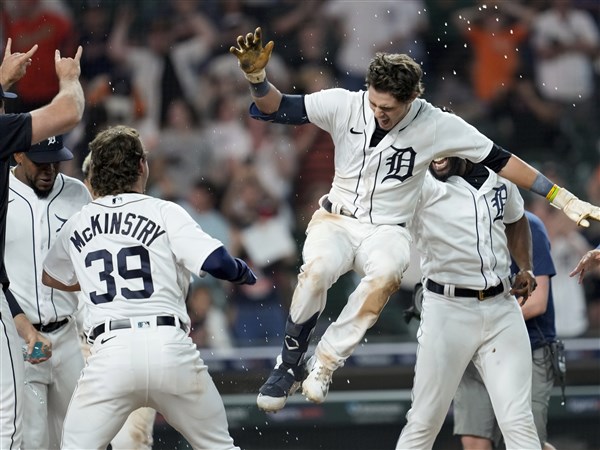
499 200
400 164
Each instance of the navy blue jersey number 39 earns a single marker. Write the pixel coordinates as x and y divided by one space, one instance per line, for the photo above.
143 272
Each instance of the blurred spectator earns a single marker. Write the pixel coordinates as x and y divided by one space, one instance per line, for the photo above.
30 22
273 156
209 324
202 201
228 134
258 313
162 67
183 151
566 42
495 38
375 26
93 26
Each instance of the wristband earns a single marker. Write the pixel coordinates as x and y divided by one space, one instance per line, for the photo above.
256 77
552 193
261 89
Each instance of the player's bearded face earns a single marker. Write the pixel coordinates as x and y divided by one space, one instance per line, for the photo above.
444 168
387 110
40 177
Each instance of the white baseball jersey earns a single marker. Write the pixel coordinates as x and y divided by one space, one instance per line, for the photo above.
473 234
460 231
132 255
380 185
32 224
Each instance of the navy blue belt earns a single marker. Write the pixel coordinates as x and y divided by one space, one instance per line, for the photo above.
121 324
50 327
463 292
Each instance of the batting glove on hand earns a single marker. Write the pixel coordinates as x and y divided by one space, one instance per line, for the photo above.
246 275
252 56
576 210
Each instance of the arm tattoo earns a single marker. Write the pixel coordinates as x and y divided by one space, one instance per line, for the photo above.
543 186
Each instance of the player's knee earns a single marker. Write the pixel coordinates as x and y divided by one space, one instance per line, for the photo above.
317 275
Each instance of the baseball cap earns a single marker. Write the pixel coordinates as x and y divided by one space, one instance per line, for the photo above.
6 94
50 150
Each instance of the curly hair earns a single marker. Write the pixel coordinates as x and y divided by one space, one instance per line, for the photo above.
397 74
116 154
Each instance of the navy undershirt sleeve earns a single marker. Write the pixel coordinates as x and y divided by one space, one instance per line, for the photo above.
220 264
291 111
497 158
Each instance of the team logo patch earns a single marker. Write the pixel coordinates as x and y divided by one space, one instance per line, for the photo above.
499 200
400 164
143 324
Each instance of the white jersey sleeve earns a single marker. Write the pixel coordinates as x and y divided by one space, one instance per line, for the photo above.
188 242
57 262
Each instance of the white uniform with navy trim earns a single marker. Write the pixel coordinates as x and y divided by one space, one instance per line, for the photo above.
32 224
380 186
132 255
460 233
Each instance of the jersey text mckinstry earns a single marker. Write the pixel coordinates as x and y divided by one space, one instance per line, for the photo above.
137 226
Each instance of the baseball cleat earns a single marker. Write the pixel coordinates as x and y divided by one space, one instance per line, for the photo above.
282 383
316 385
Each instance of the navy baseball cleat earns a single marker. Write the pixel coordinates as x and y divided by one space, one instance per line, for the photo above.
282 382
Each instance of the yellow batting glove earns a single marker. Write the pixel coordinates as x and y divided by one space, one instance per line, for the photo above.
252 56
576 210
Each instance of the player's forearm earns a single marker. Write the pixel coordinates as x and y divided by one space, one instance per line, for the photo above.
518 236
266 96
62 114
537 303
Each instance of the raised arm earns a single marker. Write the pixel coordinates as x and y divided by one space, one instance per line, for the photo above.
65 110
253 58
14 65
526 177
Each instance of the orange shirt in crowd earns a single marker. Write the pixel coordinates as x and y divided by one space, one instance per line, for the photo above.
50 31
495 60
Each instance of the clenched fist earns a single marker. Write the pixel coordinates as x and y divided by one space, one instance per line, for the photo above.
252 56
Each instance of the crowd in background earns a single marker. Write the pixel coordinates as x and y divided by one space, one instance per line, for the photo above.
526 73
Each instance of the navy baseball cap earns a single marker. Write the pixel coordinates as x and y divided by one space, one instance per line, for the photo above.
6 94
50 150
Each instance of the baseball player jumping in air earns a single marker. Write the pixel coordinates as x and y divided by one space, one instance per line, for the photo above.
464 226
474 418
19 132
132 257
385 137
40 202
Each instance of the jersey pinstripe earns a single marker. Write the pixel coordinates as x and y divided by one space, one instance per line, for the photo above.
380 185
132 254
474 229
32 225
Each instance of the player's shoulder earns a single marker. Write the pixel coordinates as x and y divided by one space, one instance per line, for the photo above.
73 187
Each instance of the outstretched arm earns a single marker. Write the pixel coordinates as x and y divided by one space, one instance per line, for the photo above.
253 58
65 110
590 261
526 177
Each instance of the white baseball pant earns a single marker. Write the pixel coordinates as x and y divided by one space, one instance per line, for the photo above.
336 244
11 380
453 331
